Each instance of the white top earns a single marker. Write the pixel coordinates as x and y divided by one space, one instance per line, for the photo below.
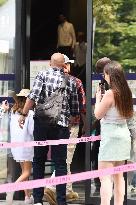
80 53
22 135
66 35
113 116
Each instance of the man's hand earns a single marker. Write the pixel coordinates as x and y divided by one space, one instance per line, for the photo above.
21 121
28 105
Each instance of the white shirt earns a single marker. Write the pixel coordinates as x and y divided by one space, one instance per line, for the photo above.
66 35
22 135
80 53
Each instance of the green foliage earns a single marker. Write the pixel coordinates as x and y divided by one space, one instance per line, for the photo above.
2 2
115 37
129 63
103 11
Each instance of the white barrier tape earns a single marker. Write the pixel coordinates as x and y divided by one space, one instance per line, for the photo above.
65 179
49 142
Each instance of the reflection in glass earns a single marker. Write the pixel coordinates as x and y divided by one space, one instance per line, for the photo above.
7 47
7 36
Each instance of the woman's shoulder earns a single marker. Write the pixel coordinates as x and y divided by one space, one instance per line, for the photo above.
109 93
108 97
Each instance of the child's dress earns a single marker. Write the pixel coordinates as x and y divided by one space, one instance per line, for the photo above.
21 154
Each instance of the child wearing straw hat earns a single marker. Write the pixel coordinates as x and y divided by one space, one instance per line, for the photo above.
23 155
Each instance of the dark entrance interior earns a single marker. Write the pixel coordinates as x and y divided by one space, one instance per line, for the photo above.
43 40
44 22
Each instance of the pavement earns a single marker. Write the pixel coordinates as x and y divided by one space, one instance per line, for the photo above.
22 203
78 187
18 203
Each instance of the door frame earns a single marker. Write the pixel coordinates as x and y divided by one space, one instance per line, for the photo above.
88 199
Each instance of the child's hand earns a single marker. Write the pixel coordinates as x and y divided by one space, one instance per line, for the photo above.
21 121
5 105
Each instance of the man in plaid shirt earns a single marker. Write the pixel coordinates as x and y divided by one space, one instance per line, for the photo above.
50 192
46 82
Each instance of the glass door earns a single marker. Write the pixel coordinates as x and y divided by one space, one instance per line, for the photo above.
7 77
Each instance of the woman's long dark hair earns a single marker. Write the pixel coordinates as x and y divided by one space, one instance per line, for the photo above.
120 88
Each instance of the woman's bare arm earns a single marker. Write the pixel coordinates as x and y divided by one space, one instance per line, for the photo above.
102 105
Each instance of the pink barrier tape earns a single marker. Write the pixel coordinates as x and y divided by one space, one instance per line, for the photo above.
66 179
49 142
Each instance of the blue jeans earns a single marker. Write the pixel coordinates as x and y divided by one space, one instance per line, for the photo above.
59 154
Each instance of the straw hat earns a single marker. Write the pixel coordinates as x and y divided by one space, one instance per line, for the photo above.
23 93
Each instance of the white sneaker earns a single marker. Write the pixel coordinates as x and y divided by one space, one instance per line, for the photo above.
38 204
29 200
9 198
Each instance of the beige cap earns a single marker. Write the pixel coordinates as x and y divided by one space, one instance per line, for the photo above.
23 93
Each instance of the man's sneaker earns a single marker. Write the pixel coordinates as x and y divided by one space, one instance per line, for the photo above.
72 196
50 196
29 200
9 198
38 204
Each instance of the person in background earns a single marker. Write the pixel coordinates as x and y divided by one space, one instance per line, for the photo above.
4 108
96 126
23 155
80 50
66 37
45 83
113 108
49 192
132 128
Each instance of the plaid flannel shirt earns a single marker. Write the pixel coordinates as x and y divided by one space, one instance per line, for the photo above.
81 98
46 82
